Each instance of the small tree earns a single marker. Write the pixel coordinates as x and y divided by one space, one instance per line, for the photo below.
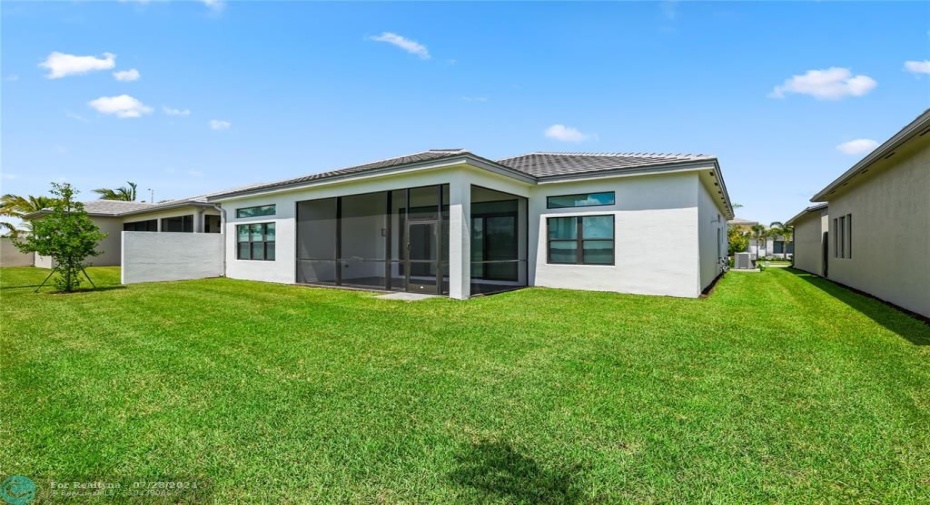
67 234
738 240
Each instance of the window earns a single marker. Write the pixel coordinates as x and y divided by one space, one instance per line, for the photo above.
150 225
255 241
581 240
836 241
849 235
262 210
581 200
183 224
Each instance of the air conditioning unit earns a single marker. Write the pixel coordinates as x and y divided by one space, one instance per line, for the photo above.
743 261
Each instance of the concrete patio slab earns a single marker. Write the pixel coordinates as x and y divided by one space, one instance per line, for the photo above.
406 297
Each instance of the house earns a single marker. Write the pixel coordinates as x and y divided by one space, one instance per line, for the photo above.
446 222
878 237
774 247
450 222
113 217
811 226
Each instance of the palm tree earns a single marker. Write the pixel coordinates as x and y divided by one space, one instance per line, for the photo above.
780 230
16 206
759 234
122 193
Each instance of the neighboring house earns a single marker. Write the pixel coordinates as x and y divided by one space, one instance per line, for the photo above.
768 247
811 228
449 222
114 216
879 221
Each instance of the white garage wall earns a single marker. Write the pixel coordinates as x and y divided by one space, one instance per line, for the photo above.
712 236
151 257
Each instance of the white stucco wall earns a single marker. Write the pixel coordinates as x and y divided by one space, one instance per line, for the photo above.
655 243
808 241
657 233
151 257
712 236
109 247
891 230
11 257
44 261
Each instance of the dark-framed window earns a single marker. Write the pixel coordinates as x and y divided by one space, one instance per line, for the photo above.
580 200
581 240
261 210
184 224
255 241
149 225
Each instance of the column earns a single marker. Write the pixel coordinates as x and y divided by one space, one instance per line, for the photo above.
459 237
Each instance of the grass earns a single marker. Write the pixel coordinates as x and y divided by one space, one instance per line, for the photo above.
779 387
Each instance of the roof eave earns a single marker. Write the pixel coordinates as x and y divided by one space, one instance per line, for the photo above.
159 208
805 212
464 159
897 140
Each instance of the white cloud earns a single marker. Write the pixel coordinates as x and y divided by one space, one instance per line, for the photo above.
917 67
830 84
565 133
216 5
61 65
217 124
77 117
411 46
123 106
127 75
175 112
858 146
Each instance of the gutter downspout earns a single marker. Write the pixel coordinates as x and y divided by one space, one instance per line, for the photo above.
222 212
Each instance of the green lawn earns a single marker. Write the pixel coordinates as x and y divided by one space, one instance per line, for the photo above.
779 387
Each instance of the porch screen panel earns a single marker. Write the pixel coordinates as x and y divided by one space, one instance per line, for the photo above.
363 236
316 241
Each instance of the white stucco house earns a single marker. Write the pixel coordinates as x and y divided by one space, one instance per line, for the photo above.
811 227
192 215
448 222
875 234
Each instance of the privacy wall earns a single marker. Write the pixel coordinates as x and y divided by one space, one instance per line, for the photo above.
152 257
10 255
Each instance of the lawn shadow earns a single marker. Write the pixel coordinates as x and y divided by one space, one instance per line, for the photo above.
907 325
497 471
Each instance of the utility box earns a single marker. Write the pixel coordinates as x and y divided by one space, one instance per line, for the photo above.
743 261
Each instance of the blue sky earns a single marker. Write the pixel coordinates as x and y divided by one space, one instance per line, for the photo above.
233 93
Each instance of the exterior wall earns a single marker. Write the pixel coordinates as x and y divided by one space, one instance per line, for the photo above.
283 267
44 262
151 257
890 232
197 212
712 237
11 257
658 240
110 245
655 236
808 241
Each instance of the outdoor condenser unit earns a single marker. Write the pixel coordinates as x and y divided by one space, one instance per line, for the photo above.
743 261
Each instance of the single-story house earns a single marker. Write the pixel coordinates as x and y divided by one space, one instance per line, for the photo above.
878 236
192 215
811 226
766 247
449 222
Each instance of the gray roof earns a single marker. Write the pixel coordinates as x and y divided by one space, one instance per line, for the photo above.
741 222
113 207
533 166
542 165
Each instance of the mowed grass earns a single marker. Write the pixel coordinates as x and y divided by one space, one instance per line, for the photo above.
779 387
